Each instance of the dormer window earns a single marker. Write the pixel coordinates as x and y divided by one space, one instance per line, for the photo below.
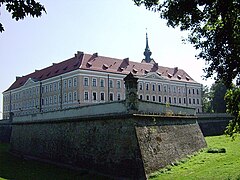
179 77
187 78
170 75
134 70
89 64
159 73
65 68
105 66
146 71
120 68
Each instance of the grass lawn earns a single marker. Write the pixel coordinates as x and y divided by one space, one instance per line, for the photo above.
204 165
14 168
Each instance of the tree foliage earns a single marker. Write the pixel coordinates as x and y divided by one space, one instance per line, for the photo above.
22 8
218 103
214 27
213 98
233 107
206 97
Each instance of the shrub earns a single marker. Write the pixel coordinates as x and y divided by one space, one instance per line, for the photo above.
216 150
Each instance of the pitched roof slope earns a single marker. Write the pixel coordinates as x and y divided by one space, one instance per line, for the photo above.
104 64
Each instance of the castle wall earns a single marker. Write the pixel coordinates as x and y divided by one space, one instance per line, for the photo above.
213 124
120 144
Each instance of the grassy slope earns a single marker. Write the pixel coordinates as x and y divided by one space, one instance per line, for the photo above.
14 168
209 165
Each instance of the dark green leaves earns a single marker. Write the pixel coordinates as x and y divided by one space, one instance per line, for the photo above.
214 27
22 8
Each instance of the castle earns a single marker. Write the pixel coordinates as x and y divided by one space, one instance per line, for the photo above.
91 78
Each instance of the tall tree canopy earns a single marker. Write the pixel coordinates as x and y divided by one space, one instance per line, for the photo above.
218 103
214 27
21 8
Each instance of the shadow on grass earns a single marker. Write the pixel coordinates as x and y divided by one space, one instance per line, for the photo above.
12 167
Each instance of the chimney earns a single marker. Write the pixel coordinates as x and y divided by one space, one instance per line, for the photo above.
78 55
175 70
126 60
95 55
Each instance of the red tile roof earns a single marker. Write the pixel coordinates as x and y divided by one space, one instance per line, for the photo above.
103 64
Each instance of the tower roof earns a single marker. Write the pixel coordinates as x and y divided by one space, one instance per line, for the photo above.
147 53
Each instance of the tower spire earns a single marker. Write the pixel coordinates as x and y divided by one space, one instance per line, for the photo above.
147 53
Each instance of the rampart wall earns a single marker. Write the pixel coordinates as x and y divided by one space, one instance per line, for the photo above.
5 130
122 144
213 124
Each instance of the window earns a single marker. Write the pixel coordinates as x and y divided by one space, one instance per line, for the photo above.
174 89
197 91
153 87
86 96
197 101
165 99
59 99
55 99
65 97
75 82
141 96
169 88
165 88
193 91
147 86
70 83
179 90
175 100
65 83
111 83
159 87
170 100
75 96
102 96
55 86
111 96
153 98
189 101
70 96
159 98
184 100
102 82
94 96
50 100
50 88
140 86
147 97
118 96
46 101
85 81
94 82
189 91
193 101
46 88
180 100
118 84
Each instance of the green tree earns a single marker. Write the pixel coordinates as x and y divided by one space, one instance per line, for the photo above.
214 27
233 107
206 96
218 91
22 8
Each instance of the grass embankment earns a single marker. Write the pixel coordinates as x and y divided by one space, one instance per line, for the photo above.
15 168
204 165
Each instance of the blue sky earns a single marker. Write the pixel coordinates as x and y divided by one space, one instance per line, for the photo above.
111 28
